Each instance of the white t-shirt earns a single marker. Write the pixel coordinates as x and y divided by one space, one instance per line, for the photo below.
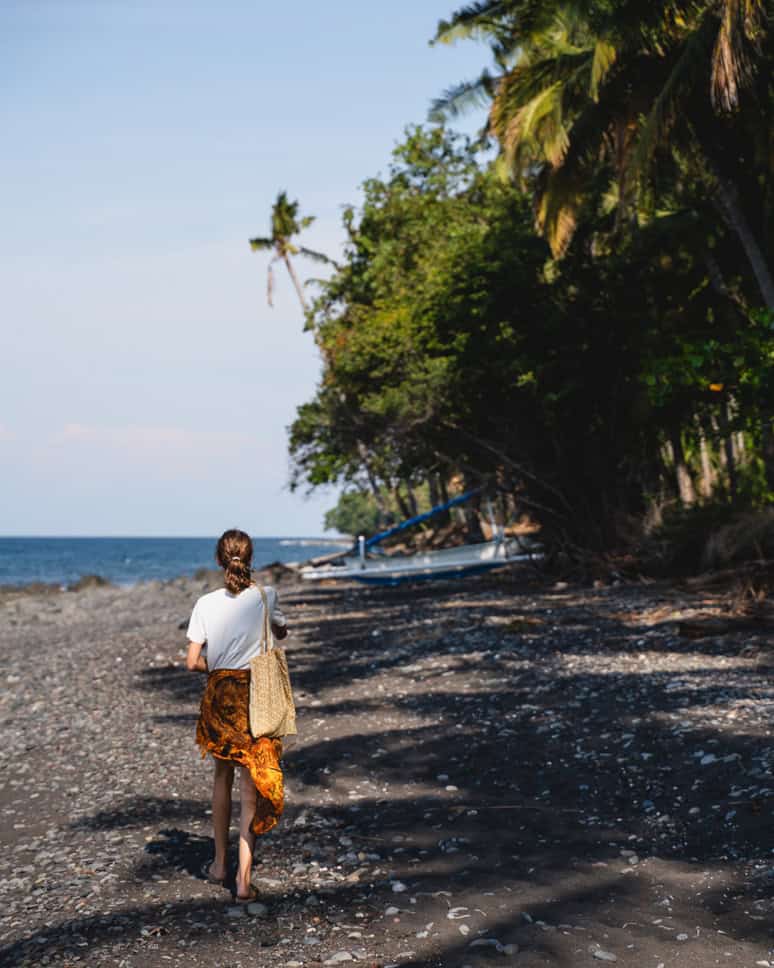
230 625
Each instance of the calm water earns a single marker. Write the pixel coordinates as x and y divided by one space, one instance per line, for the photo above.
125 561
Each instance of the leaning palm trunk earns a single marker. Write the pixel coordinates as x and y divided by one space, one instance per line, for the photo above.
767 450
727 200
296 282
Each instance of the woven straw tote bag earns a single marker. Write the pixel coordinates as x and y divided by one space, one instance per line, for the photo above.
272 710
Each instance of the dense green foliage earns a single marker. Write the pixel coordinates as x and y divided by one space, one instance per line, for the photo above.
356 513
592 333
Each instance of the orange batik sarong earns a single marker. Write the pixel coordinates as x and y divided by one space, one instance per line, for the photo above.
223 730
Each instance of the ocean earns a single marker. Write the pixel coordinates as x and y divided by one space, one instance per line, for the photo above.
125 561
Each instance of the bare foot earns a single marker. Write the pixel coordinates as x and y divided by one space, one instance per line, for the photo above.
215 874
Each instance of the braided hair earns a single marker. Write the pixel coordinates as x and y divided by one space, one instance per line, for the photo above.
234 554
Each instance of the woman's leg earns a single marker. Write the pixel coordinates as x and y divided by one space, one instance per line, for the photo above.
221 814
248 794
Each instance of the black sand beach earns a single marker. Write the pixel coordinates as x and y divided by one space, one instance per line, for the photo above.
495 772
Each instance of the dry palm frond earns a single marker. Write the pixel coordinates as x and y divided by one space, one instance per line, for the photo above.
732 61
557 211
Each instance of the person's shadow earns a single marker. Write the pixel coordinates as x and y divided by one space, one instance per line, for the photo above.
180 850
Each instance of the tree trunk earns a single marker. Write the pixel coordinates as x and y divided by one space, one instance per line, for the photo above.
767 449
685 487
296 282
439 495
373 483
432 486
727 201
472 521
412 501
728 450
405 510
707 473
740 448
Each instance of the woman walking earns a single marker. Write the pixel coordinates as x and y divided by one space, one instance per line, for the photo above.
224 633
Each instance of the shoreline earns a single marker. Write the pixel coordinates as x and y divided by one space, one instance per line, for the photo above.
51 565
88 581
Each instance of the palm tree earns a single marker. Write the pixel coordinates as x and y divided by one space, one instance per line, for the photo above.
585 88
285 224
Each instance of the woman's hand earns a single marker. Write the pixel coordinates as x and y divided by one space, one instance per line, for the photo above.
195 661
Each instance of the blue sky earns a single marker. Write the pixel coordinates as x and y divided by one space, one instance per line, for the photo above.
146 386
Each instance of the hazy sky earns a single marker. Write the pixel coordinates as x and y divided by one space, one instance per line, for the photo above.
146 386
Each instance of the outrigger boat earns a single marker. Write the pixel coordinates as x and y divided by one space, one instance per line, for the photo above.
457 562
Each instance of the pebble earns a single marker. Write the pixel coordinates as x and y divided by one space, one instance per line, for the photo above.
339 958
133 827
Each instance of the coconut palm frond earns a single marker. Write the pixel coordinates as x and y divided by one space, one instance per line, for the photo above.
611 199
539 124
754 19
316 256
261 243
564 186
557 213
605 55
686 69
529 79
463 97
472 21
733 65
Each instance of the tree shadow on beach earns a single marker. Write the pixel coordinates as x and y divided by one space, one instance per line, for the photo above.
556 769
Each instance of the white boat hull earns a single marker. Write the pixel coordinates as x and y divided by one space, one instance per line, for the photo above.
445 563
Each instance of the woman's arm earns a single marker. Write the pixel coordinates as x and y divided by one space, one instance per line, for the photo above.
279 624
195 661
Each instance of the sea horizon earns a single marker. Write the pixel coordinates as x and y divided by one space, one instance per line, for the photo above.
128 559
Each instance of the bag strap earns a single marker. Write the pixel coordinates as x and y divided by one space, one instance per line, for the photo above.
267 636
